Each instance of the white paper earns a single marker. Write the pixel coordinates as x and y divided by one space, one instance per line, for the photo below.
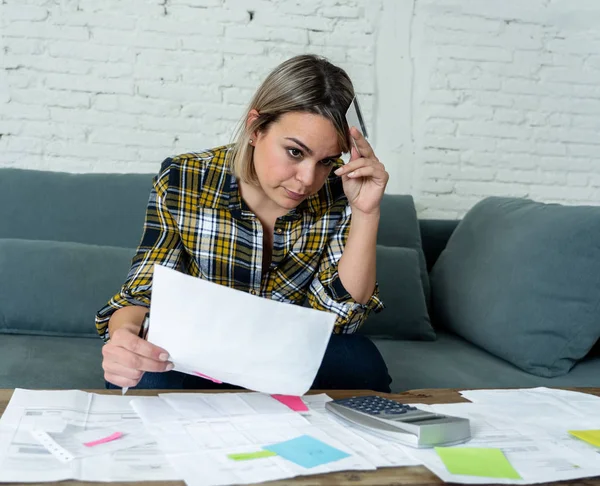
69 444
198 447
532 454
24 459
235 337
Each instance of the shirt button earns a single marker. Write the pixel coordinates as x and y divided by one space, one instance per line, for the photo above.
253 292
278 231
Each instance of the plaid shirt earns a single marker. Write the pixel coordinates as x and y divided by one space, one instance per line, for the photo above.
196 222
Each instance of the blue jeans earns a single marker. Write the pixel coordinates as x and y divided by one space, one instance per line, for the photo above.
351 362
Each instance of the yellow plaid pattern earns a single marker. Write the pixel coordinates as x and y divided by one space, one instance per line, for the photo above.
196 222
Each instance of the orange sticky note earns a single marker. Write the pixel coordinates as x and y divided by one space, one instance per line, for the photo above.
295 403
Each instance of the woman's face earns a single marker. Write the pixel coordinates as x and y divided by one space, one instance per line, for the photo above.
294 157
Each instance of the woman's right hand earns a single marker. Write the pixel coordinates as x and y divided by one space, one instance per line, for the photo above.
127 356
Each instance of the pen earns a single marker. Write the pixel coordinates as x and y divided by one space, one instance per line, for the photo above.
143 333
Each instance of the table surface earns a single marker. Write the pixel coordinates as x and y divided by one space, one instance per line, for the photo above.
412 475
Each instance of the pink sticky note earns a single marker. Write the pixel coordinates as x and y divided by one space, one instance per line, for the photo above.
104 440
295 403
202 375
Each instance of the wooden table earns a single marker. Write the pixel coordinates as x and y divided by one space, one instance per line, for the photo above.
413 475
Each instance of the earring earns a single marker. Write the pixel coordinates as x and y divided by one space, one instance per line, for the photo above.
250 141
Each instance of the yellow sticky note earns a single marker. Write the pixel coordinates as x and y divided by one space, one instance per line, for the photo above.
477 461
247 456
590 436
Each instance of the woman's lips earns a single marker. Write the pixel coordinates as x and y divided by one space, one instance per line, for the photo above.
294 195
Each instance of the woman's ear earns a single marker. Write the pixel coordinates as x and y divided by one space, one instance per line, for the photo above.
250 119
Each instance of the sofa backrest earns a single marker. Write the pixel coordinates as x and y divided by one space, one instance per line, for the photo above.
435 234
101 209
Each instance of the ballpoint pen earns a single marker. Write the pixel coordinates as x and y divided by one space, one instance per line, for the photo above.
143 333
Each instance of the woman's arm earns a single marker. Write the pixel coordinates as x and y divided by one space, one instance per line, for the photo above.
357 264
364 179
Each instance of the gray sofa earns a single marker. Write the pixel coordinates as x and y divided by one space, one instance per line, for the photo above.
65 245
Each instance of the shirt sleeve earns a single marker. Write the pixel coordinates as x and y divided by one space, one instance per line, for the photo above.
160 244
327 293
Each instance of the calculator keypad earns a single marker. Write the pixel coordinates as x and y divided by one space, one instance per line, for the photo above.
374 405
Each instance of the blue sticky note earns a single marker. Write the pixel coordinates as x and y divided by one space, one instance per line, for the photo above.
307 451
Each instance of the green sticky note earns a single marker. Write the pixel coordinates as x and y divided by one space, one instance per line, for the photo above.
246 456
590 436
475 461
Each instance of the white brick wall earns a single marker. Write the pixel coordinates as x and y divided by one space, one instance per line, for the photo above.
466 98
114 86
506 101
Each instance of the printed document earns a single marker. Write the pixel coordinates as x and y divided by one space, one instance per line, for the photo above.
63 414
231 336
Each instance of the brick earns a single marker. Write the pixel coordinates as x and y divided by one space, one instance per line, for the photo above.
110 20
21 111
135 105
440 156
113 136
476 53
45 31
51 98
90 51
497 130
437 186
90 84
464 23
515 175
63 131
91 118
509 116
340 11
272 18
485 189
439 126
559 193
486 83
178 92
24 46
15 13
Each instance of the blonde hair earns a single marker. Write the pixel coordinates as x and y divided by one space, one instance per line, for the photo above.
305 83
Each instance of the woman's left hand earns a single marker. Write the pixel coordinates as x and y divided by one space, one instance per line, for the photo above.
364 178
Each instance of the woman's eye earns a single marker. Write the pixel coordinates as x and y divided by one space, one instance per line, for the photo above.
295 153
327 162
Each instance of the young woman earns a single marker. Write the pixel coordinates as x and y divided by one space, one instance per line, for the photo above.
276 214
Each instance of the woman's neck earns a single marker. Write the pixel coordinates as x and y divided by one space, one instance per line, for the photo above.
260 204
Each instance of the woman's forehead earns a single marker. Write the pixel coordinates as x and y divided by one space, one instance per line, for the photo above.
316 131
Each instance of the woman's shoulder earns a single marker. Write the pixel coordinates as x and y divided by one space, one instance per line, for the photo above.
216 158
186 175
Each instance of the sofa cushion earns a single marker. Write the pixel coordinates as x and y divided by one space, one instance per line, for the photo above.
51 362
400 288
55 288
99 209
399 226
452 362
521 279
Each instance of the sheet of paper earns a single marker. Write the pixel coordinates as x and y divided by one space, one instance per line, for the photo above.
477 461
534 456
237 338
24 459
199 447
70 444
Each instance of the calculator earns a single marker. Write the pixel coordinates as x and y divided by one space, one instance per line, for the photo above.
401 423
